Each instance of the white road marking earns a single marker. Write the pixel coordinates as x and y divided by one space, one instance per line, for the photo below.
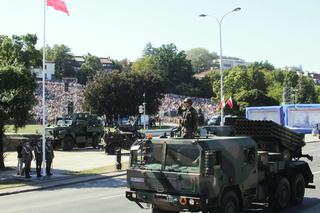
318 172
110 197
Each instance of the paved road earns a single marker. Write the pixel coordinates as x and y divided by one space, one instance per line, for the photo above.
108 196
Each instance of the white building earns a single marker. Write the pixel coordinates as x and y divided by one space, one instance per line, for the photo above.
230 62
49 75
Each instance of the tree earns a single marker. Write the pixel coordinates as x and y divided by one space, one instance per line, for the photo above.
124 65
201 59
120 93
306 91
63 59
89 68
17 84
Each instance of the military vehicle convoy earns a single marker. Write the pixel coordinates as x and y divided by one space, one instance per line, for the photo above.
78 129
254 162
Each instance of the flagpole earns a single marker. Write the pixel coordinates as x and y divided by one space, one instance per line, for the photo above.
43 88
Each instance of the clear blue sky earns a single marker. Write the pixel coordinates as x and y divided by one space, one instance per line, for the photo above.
284 32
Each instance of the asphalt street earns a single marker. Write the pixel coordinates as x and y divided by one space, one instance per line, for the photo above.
107 195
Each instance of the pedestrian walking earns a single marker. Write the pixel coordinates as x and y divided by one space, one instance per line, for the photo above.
49 157
27 157
20 160
38 158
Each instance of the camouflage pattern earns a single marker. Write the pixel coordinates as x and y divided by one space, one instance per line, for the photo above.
189 121
79 129
174 171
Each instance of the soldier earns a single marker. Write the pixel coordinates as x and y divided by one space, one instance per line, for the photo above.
38 156
200 117
20 160
49 157
27 157
189 122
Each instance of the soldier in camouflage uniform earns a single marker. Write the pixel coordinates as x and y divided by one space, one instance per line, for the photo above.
49 157
27 157
38 156
189 121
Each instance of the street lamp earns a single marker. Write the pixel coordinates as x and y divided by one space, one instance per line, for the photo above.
221 68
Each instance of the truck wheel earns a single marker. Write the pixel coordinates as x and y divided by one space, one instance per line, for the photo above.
112 148
95 141
297 189
67 143
229 203
281 194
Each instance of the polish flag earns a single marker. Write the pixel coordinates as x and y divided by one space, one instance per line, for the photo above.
222 103
230 103
58 5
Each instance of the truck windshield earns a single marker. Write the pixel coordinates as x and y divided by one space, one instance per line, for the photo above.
179 157
182 158
148 156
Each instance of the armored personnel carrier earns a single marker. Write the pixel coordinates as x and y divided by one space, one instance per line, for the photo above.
254 162
78 129
123 137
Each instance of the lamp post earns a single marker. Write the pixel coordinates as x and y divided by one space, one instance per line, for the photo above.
221 64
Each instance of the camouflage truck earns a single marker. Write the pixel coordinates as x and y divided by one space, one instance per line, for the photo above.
80 129
258 163
122 138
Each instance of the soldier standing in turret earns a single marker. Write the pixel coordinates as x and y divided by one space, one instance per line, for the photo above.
38 156
49 157
189 121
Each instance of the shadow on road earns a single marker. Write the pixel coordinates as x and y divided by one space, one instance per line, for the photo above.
308 203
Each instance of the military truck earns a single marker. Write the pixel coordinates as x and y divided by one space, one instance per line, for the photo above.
123 137
256 162
80 129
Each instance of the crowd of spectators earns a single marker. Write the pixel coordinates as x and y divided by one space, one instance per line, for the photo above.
57 99
171 102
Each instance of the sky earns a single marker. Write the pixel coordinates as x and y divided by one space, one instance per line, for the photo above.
284 32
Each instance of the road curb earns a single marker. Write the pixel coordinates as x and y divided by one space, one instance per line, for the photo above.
66 182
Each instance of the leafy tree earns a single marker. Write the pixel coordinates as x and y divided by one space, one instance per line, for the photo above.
61 55
262 65
124 65
89 68
306 91
17 85
253 98
148 50
120 93
201 59
144 64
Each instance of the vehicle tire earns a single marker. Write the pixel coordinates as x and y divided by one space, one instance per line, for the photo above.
281 194
297 189
229 203
112 148
67 143
95 141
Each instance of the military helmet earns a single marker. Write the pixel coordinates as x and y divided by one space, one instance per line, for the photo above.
188 100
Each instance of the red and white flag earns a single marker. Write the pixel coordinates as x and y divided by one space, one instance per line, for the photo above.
222 103
230 102
58 5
